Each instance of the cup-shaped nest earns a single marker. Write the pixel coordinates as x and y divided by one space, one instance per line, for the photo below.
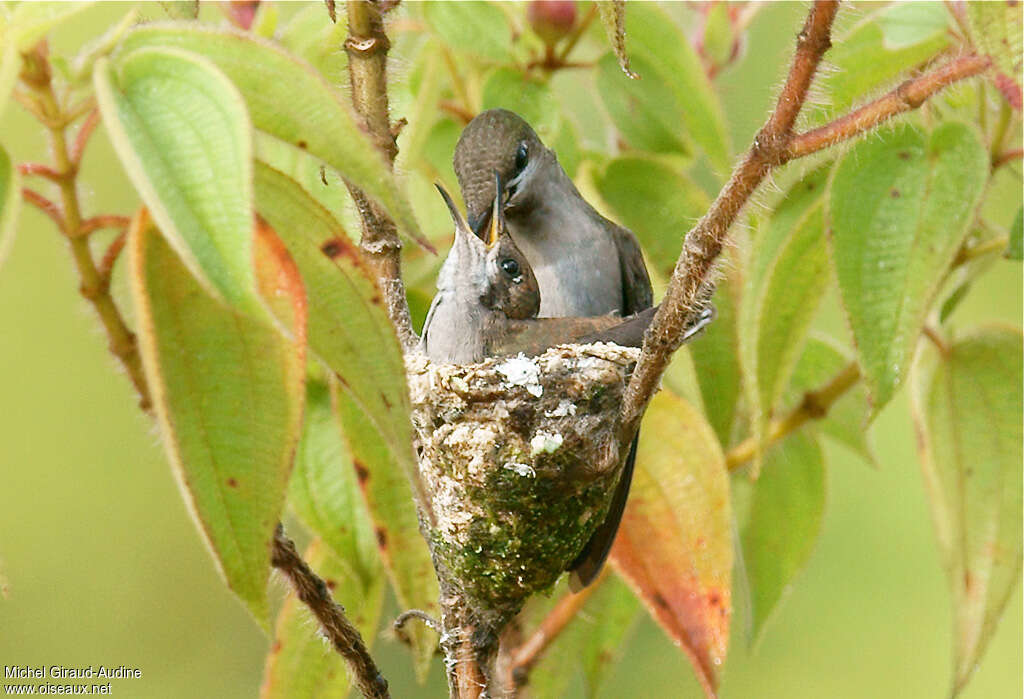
518 458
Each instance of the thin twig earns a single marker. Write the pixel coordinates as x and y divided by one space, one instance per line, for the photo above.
367 47
967 253
82 137
95 223
106 267
814 406
909 95
345 638
530 651
1007 157
45 205
92 286
570 43
39 170
691 279
936 339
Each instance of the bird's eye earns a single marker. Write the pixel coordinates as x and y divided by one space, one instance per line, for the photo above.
522 156
510 267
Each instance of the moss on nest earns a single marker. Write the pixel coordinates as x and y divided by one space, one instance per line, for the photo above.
518 457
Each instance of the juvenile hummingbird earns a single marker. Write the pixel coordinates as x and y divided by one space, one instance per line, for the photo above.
585 264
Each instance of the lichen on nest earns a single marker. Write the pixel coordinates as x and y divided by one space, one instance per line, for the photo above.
518 457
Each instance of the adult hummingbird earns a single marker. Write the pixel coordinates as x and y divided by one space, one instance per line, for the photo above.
585 264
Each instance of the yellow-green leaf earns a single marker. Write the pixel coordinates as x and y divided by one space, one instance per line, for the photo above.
386 488
300 665
878 49
476 27
779 521
674 67
228 395
968 410
182 133
10 202
289 100
847 419
899 208
654 200
784 287
324 491
349 329
997 28
674 546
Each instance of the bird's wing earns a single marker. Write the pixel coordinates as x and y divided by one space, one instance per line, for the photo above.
637 294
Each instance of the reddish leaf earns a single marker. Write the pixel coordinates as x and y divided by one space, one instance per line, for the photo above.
674 546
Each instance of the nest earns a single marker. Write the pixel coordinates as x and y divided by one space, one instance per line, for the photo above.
518 459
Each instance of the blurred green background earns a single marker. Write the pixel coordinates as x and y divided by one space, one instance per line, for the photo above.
105 567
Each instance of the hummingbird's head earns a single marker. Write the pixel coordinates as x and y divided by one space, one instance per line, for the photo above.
496 141
490 267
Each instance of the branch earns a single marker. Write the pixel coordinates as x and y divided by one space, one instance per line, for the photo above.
814 406
691 280
909 95
342 634
530 651
367 47
93 286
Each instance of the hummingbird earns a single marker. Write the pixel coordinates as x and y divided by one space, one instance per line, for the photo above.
488 299
585 264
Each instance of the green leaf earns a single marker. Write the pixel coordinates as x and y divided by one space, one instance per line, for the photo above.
716 358
300 665
672 65
784 288
593 641
654 200
847 418
968 412
10 203
348 326
681 572
899 209
478 28
1015 250
385 485
782 521
878 49
228 395
529 98
312 37
997 28
290 101
325 494
613 18
182 133
643 111
31 21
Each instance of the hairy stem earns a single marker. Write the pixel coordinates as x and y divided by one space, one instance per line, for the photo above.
691 280
814 406
367 46
92 285
344 637
909 95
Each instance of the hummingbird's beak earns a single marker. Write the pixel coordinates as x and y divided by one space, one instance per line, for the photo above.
460 223
497 221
